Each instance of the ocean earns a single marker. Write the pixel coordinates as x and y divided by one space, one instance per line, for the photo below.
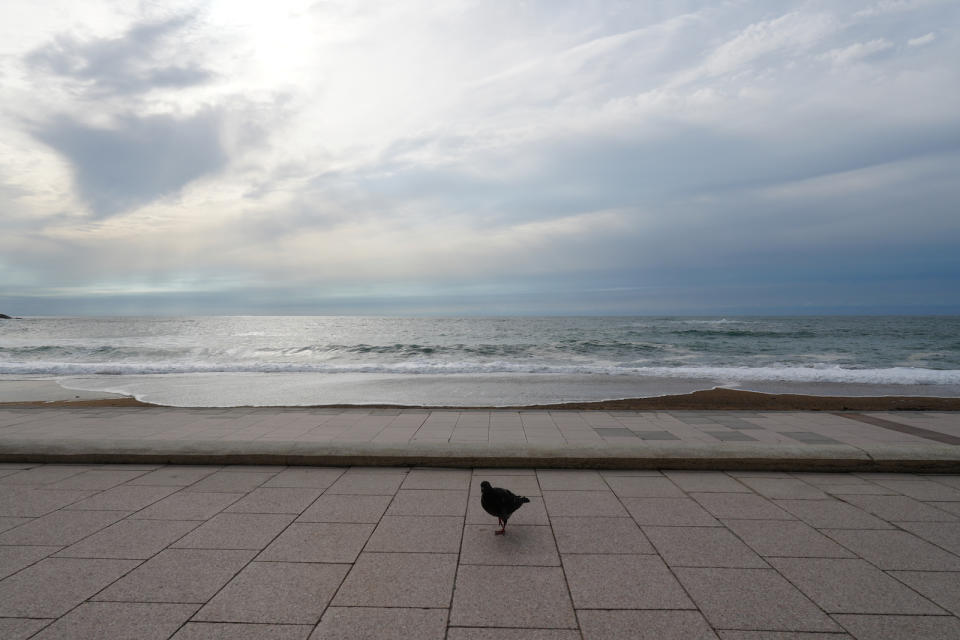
300 360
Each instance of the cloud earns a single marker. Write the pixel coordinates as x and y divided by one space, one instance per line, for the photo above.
922 40
448 149
136 62
136 160
856 51
789 33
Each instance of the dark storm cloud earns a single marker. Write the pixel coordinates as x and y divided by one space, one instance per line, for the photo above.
129 64
137 160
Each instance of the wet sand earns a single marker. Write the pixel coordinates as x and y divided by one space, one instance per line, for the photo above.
719 399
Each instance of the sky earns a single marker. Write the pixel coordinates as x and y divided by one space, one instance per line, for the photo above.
479 157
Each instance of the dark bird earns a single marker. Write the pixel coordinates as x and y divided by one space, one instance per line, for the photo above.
501 503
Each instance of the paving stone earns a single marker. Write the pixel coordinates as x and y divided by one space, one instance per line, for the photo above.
523 545
706 481
20 628
275 592
851 586
519 484
275 500
428 502
855 489
744 506
570 480
809 437
631 472
307 478
701 547
433 534
865 627
346 508
731 436
399 580
682 512
369 482
614 432
655 435
784 488
583 504
239 631
622 582
599 535
13 559
760 474
119 621
516 597
943 587
832 514
230 482
178 575
29 502
533 512
644 487
942 534
175 476
923 489
318 542
10 523
950 480
482 633
949 507
900 508
130 539
644 625
53 586
786 538
745 599
123 498
349 623
779 635
43 475
61 528
448 479
96 479
503 471
829 479
895 550
236 531
188 506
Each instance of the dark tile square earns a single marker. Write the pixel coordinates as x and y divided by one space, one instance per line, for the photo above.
614 432
731 436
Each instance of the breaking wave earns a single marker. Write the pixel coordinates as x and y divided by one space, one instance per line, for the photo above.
822 373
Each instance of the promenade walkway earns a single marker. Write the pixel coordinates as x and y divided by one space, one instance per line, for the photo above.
877 441
293 551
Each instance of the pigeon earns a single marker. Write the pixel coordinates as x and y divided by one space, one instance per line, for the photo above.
501 503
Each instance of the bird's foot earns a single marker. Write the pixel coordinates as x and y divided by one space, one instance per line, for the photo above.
500 532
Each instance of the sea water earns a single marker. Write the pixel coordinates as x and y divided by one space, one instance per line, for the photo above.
298 360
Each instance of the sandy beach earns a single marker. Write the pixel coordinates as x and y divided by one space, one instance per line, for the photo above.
49 392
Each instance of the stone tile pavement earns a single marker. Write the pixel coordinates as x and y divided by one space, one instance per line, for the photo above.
276 552
350 436
361 425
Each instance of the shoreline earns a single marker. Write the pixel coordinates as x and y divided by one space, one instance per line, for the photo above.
718 399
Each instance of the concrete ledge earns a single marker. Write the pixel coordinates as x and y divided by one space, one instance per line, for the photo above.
646 455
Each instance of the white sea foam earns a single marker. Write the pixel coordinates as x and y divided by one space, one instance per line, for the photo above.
817 373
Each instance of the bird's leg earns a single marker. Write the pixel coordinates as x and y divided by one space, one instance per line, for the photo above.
503 528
